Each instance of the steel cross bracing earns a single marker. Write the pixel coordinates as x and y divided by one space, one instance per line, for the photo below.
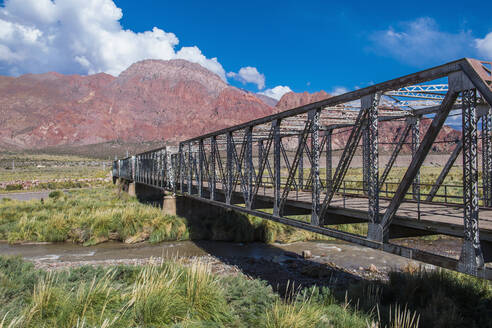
302 162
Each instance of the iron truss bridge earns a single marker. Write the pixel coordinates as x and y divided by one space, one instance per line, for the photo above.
319 165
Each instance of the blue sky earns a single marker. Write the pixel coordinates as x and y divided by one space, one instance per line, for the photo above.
310 45
305 45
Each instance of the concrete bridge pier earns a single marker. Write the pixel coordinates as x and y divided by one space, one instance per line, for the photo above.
171 204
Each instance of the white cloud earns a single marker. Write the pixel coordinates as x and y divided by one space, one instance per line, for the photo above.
484 46
277 92
81 36
249 75
422 42
338 91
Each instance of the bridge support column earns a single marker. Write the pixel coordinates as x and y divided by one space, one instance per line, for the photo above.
415 147
375 229
329 161
300 171
276 168
200 168
229 168
249 167
131 189
487 157
365 158
314 116
212 173
471 259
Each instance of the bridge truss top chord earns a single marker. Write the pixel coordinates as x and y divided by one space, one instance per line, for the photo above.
297 167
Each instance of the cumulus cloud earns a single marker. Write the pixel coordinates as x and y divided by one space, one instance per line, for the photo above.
338 91
484 46
277 92
81 36
249 75
421 41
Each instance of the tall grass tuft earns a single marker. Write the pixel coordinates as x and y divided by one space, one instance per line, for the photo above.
403 318
155 298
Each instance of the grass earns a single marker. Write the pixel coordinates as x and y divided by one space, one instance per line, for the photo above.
43 171
97 215
167 294
171 294
440 298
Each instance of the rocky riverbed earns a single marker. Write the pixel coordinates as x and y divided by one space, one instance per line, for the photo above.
302 263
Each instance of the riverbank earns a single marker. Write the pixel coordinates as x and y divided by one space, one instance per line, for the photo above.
159 294
253 292
94 216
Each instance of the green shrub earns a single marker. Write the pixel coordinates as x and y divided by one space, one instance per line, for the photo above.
56 194
12 187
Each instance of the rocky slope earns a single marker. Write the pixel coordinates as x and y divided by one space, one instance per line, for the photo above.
151 100
292 99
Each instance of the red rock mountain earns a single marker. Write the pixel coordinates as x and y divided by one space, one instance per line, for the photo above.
151 100
292 99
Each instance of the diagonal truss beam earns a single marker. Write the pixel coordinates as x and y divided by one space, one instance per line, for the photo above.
445 171
423 150
295 163
346 158
394 154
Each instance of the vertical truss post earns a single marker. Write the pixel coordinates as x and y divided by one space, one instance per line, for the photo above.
133 168
165 169
200 167
181 168
229 168
260 161
213 175
137 173
249 166
276 167
487 158
301 163
154 168
365 158
160 168
371 103
315 150
190 168
415 147
471 254
329 160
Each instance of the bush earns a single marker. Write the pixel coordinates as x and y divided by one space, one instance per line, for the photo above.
56 194
11 187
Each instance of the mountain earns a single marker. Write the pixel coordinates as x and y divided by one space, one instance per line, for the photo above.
267 100
293 99
151 100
